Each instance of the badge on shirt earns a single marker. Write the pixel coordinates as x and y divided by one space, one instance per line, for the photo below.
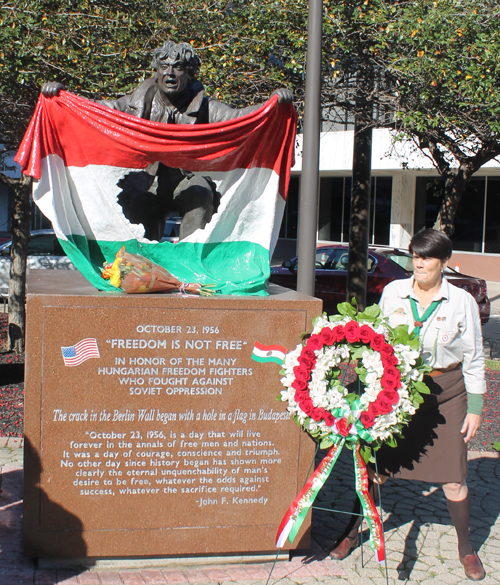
445 337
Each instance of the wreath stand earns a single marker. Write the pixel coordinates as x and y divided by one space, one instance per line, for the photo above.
313 507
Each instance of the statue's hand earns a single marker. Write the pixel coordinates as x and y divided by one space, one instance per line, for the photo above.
285 96
52 88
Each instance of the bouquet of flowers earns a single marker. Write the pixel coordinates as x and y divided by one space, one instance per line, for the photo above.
390 372
133 273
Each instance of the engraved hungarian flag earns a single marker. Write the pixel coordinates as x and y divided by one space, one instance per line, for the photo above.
268 353
79 151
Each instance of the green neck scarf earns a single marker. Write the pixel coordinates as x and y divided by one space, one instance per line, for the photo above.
419 321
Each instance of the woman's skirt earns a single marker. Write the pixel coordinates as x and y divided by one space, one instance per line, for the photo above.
433 447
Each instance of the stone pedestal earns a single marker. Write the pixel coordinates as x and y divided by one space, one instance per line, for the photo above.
150 429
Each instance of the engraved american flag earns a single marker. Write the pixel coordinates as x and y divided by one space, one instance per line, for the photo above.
85 349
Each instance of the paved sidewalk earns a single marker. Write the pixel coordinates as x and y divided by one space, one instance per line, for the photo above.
421 545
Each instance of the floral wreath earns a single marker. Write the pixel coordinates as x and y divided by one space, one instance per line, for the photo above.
390 373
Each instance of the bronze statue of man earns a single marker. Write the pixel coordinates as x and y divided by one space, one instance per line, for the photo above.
172 96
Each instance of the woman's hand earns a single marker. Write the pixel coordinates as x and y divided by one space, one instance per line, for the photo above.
470 426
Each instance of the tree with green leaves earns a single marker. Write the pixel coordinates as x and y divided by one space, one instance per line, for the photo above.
445 58
434 66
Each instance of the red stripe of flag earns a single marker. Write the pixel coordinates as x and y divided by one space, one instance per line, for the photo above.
127 141
270 347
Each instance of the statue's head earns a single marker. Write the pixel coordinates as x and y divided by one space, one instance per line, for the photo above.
171 53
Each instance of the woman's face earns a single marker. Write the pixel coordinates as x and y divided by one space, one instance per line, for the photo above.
427 271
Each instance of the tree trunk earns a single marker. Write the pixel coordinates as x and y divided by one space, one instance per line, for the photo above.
360 209
454 187
20 237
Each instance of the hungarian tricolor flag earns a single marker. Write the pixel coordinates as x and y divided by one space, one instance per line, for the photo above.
78 151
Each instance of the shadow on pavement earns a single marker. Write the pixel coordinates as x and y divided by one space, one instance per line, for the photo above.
416 519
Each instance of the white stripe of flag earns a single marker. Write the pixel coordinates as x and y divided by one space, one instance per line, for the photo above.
268 353
74 355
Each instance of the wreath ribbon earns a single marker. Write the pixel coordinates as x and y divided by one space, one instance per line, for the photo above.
296 513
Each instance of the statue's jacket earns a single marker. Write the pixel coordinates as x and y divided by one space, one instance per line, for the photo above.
147 102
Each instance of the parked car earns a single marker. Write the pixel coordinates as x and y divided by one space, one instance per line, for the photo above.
44 251
172 230
384 265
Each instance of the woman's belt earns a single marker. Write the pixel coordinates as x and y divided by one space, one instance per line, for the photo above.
441 371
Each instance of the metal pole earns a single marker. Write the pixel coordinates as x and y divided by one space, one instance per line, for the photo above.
309 187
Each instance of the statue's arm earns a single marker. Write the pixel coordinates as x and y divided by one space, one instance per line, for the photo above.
52 89
219 112
121 104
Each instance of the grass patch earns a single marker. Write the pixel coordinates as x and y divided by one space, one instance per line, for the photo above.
493 364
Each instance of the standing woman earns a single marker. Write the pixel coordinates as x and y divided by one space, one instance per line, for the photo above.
434 448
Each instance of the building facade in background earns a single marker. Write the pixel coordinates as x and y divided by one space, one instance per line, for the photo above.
406 196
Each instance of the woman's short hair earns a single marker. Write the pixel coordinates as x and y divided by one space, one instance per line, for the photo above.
431 243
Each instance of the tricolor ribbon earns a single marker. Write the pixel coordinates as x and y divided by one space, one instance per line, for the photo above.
296 513
369 509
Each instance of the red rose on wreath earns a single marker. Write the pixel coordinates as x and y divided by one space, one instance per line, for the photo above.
342 427
301 373
390 361
377 342
366 419
352 331
301 395
329 419
386 352
391 396
327 336
389 383
314 342
366 333
339 333
373 409
307 406
392 372
299 385
307 362
384 405
309 353
317 414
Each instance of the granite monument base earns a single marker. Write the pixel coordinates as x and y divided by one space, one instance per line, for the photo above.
152 427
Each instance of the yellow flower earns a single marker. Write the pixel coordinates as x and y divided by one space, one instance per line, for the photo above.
112 272
420 53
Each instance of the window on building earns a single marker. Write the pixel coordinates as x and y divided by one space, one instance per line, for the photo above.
477 224
335 209
492 216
